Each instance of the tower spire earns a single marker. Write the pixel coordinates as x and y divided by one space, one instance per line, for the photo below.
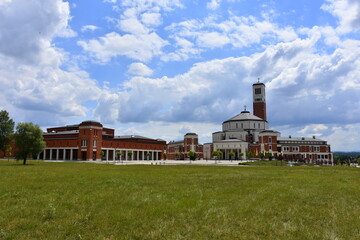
259 101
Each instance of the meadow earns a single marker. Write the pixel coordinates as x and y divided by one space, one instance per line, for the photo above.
98 201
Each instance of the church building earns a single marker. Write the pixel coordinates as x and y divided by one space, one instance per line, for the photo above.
248 135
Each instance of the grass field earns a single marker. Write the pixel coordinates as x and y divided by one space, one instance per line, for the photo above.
92 201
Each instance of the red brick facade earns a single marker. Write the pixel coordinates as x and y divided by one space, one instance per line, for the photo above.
180 149
88 140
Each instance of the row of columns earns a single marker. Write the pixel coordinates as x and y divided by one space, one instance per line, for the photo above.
57 154
227 151
48 154
135 154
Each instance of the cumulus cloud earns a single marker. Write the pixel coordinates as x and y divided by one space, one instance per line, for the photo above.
303 87
213 4
31 68
140 40
238 32
140 69
89 28
347 12
138 47
47 20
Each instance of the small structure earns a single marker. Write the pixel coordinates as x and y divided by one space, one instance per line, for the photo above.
178 150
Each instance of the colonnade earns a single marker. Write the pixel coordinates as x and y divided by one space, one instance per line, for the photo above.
236 151
59 154
110 154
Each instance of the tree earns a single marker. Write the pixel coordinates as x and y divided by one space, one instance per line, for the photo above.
177 154
240 155
130 153
164 154
101 154
147 155
231 155
191 155
6 130
250 154
119 155
28 141
216 154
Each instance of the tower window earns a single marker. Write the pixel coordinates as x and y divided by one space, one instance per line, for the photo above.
257 90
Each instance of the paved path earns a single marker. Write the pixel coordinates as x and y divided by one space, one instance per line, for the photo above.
181 162
164 162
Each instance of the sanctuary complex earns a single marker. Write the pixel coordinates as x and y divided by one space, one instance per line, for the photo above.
248 135
243 136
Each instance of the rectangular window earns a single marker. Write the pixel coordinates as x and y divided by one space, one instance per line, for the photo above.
257 90
84 143
94 143
270 140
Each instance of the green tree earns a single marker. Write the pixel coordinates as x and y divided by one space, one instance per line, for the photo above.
177 154
28 141
101 154
130 153
119 155
147 155
216 154
6 130
250 154
165 155
231 155
240 155
191 155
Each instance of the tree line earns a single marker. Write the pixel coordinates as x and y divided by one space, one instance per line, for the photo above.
27 138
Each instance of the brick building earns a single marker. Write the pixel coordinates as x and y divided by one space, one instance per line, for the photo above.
180 149
248 134
87 140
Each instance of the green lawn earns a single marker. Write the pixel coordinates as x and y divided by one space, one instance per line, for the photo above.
93 201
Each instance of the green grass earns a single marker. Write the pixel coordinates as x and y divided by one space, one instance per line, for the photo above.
90 201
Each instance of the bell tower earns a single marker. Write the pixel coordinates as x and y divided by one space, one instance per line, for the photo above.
259 102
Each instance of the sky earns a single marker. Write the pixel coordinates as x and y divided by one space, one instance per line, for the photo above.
162 68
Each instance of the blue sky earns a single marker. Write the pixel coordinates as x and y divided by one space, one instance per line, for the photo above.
161 68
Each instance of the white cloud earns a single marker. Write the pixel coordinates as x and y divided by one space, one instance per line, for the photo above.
151 19
31 68
212 40
133 26
170 131
238 32
213 4
303 87
344 137
137 20
347 12
89 28
139 69
47 20
138 47
313 129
